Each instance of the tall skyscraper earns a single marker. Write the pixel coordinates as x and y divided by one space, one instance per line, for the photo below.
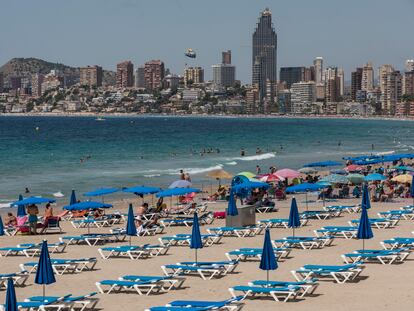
140 77
409 83
391 88
193 75
37 80
91 76
125 74
303 96
367 82
264 56
224 75
356 82
318 67
332 84
291 75
341 77
154 74
226 57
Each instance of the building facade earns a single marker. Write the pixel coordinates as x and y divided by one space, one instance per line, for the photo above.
140 77
318 68
409 83
125 74
224 75
356 82
91 76
367 82
302 97
193 75
36 82
154 74
226 57
332 84
291 75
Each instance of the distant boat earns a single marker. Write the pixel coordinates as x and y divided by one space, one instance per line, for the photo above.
100 119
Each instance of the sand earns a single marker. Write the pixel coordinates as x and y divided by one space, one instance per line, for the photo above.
381 287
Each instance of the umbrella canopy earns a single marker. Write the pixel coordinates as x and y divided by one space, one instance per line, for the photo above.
246 174
340 172
364 228
335 179
305 187
405 178
248 185
180 184
375 177
353 168
44 272
404 168
176 192
322 164
100 192
307 170
356 178
268 259
33 200
196 242
220 174
81 206
11 301
232 207
287 173
365 198
21 209
72 198
141 190
1 227
294 220
131 228
269 178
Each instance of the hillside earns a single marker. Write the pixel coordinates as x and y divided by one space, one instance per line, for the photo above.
28 66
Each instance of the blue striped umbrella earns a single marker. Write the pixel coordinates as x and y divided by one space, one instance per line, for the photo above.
131 228
232 207
294 220
21 209
11 301
44 272
365 198
364 228
268 261
72 198
196 242
1 227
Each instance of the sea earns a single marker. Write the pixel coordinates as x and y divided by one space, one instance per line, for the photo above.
57 154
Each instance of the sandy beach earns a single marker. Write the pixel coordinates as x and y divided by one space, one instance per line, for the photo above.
381 287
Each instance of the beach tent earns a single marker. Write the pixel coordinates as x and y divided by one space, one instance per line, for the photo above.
246 174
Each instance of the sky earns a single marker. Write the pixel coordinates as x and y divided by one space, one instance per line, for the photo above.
104 32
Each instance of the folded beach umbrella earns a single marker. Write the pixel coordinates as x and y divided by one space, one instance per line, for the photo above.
403 179
268 260
323 164
21 209
44 272
364 227
375 177
1 227
72 198
11 301
294 220
131 229
196 242
180 184
232 207
33 200
365 198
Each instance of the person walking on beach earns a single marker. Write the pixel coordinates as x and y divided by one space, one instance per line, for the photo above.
33 211
182 175
258 170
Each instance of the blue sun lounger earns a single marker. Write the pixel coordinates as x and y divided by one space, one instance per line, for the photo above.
339 273
165 308
398 242
231 304
133 252
379 223
62 266
244 254
377 255
320 215
239 232
307 287
398 214
347 232
80 302
304 242
229 265
278 223
205 272
277 293
167 282
141 287
19 278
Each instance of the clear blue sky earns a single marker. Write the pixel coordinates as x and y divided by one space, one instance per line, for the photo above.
104 32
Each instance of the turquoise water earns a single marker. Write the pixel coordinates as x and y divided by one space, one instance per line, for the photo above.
126 151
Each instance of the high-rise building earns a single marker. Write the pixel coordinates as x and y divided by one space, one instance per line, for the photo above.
318 65
140 77
252 100
409 83
264 56
1 82
125 74
154 74
53 80
367 82
391 88
291 75
356 82
224 75
226 57
15 83
172 81
91 76
302 96
409 65
193 75
37 80
332 84
341 77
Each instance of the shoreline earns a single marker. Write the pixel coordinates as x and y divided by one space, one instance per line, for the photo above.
229 116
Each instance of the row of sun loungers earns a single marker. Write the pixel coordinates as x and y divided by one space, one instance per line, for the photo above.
185 239
133 252
379 223
19 278
232 304
31 249
62 266
206 270
245 254
303 242
93 239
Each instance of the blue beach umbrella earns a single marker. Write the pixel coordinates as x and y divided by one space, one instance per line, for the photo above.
306 187
44 272
375 177
268 260
323 164
364 228
33 200
141 190
176 192
294 220
101 192
72 198
1 227
131 228
81 206
21 209
365 198
335 179
11 301
232 207
196 242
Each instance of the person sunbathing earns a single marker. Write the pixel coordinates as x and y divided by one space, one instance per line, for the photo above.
10 220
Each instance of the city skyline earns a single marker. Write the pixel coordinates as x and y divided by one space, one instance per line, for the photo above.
89 33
